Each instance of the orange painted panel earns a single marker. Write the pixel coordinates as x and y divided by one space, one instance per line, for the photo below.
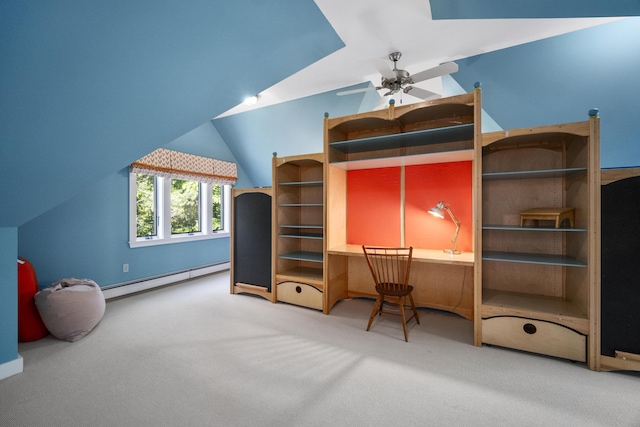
425 186
373 207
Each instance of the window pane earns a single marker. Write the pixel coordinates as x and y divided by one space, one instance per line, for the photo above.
145 205
216 200
185 206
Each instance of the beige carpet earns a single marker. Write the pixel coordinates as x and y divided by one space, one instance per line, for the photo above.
194 355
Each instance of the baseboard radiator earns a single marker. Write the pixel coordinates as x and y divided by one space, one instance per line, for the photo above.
122 289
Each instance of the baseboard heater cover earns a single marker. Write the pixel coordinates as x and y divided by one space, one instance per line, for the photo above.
122 289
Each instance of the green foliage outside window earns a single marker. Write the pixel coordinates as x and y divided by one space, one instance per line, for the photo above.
216 200
185 206
145 205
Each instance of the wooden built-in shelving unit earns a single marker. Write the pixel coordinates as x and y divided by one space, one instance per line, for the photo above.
525 284
298 229
440 131
540 284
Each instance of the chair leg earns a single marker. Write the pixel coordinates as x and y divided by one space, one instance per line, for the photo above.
404 320
413 306
374 311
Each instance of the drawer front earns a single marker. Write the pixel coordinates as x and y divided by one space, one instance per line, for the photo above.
535 336
300 294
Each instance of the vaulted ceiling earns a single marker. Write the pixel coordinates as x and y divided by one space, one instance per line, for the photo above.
427 33
88 87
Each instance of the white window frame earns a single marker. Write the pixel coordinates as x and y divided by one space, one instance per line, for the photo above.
163 215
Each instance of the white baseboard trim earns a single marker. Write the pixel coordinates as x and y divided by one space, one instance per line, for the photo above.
9 369
146 284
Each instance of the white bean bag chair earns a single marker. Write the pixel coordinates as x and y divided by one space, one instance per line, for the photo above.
71 308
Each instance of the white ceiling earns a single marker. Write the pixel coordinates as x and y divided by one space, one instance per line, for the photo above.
371 29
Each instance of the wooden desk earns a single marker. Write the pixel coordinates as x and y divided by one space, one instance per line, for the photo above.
440 280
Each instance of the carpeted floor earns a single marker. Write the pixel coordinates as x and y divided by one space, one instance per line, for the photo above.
191 354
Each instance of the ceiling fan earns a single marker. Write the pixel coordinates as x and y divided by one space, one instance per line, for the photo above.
395 80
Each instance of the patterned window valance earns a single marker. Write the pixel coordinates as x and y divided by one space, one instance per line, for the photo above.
177 165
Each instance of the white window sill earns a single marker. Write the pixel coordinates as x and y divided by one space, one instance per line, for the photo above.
141 243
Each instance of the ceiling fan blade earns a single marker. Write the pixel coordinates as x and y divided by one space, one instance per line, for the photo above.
440 70
352 91
384 69
423 94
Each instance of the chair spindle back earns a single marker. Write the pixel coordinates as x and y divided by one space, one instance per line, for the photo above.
390 267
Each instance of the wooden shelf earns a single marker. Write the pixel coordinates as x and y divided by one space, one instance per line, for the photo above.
303 256
462 132
303 183
532 174
301 235
529 258
519 228
302 274
543 307
428 128
406 160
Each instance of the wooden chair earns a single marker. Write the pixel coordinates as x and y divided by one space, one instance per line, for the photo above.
390 268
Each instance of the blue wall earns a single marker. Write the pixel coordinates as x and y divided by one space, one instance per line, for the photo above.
289 128
504 9
87 236
559 79
8 295
89 87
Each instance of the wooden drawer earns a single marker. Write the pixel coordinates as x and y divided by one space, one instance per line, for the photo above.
535 336
300 294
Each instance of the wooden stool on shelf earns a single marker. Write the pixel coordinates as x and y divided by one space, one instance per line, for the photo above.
549 214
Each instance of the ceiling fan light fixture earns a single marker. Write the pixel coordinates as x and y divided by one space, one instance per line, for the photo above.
395 56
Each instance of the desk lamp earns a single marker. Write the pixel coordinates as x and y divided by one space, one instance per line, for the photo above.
437 210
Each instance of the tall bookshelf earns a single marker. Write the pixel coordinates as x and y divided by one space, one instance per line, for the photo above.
540 277
298 229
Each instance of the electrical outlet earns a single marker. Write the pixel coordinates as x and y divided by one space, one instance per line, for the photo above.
125 268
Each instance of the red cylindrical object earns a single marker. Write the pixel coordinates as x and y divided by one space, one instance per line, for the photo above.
30 324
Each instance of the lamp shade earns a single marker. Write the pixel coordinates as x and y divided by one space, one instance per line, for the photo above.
438 210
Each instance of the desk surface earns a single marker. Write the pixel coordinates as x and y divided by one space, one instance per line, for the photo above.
419 255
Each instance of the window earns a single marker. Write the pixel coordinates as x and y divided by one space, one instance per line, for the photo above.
169 210
217 219
146 206
179 197
185 206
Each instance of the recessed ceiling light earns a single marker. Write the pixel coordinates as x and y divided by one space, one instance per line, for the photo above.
251 101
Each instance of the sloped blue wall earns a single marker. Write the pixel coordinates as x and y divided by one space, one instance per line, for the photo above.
289 128
88 87
558 80
503 9
87 236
